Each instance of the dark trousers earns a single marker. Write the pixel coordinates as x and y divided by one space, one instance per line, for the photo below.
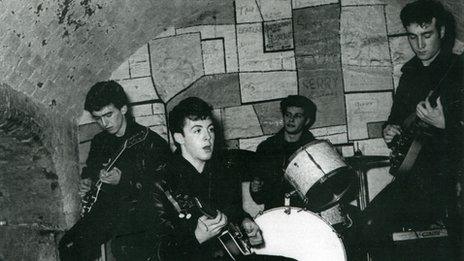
401 207
82 242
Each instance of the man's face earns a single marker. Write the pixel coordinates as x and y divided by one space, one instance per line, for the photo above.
112 119
294 120
197 140
425 40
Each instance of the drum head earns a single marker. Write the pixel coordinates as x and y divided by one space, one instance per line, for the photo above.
301 235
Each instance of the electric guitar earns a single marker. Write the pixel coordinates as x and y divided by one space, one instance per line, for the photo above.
91 197
232 239
415 134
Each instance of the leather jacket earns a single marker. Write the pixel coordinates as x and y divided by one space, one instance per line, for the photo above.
215 186
123 212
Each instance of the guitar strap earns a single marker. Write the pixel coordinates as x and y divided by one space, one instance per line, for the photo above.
411 156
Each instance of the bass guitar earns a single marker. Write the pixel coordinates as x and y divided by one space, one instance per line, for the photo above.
91 197
232 239
234 242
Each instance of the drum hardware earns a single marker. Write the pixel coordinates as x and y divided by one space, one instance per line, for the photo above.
361 164
336 216
288 195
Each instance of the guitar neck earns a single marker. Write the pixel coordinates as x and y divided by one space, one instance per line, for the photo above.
115 159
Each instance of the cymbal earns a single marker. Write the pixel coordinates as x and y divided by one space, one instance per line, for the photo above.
368 161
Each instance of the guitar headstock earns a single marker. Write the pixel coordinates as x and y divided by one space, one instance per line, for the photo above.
185 206
137 138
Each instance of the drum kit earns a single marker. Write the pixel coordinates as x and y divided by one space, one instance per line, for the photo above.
324 180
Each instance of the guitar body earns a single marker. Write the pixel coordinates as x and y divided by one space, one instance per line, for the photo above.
407 146
416 133
91 197
234 242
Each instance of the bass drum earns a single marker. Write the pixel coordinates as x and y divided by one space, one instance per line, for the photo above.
299 234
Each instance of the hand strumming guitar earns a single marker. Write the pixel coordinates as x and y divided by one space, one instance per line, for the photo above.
431 115
208 228
253 232
390 131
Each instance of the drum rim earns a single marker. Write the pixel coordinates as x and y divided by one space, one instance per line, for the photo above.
298 209
323 179
293 156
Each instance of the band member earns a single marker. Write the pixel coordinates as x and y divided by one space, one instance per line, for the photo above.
269 185
195 171
424 196
120 212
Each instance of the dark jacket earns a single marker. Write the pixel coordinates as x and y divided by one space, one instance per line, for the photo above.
122 212
273 155
215 186
438 162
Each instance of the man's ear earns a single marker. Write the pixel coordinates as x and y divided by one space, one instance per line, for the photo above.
442 31
308 120
178 137
123 109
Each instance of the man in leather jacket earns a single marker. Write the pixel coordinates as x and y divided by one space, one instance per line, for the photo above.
186 232
424 196
121 212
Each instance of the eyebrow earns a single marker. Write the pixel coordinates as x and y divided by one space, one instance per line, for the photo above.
102 115
426 32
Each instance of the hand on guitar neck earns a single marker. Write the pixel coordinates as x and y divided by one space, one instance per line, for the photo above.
432 115
209 226
407 141
429 111
214 223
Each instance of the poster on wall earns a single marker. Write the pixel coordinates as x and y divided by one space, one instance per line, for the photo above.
318 62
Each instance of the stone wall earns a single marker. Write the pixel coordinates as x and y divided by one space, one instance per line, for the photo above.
52 52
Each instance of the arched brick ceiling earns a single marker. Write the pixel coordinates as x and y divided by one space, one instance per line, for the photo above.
53 51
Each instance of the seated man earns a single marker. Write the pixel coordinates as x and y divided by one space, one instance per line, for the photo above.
185 232
269 185
120 212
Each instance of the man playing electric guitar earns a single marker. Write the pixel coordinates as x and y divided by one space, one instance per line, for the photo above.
122 161
197 171
423 195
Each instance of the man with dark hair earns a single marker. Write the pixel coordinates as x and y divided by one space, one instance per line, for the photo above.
423 194
195 171
269 185
120 171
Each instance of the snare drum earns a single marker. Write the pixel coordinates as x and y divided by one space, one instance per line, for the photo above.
298 234
320 175
336 216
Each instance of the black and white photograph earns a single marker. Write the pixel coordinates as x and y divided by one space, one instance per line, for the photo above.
231 130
